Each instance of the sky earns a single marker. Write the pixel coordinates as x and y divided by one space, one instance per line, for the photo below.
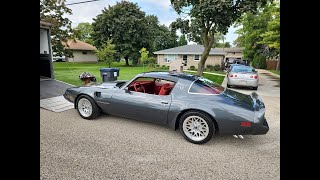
161 8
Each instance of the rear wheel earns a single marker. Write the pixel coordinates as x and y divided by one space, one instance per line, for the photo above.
228 86
255 88
196 127
87 108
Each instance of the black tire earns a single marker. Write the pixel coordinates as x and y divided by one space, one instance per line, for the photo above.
205 117
228 86
255 88
95 109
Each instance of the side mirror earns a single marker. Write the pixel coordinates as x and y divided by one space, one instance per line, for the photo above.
126 90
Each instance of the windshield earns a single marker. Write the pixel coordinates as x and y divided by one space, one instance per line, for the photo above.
242 69
205 86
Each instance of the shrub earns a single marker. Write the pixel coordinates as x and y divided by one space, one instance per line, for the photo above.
259 61
151 60
151 65
192 68
217 67
157 66
210 67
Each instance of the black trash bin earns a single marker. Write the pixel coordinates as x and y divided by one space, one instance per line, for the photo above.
109 74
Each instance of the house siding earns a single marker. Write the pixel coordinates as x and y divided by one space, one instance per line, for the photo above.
234 55
79 57
211 60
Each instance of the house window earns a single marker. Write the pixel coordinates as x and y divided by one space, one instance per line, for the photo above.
184 57
84 52
169 57
197 57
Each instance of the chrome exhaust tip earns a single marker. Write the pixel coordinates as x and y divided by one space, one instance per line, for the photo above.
235 136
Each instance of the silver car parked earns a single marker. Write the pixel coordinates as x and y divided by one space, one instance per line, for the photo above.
241 75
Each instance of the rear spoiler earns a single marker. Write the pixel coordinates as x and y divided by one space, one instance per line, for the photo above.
257 101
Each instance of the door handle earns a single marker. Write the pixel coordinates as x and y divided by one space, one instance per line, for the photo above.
164 102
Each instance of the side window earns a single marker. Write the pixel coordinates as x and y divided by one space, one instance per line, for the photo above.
154 86
163 87
199 87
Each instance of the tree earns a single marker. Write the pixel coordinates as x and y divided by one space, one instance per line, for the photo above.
126 25
254 36
182 40
106 52
83 32
272 36
227 45
160 37
144 55
53 11
164 39
208 17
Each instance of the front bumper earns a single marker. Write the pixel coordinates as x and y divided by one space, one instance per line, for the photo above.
69 97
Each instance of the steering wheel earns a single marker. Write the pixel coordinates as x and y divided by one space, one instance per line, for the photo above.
137 87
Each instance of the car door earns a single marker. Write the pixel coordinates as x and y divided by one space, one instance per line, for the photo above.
141 106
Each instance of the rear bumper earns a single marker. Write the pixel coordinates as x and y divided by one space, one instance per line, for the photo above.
243 82
254 129
260 128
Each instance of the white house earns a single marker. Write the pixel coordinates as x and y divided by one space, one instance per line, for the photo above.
82 51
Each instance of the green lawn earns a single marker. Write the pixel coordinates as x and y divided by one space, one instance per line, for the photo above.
69 72
275 71
214 78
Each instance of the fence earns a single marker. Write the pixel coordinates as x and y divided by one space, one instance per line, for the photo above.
271 64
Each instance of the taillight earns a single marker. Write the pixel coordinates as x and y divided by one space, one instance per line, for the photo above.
251 76
256 77
231 75
235 75
245 124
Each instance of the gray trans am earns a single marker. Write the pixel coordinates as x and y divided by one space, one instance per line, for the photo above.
197 106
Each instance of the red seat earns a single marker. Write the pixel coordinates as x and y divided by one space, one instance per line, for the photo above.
165 89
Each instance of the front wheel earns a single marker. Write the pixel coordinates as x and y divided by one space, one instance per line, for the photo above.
196 127
87 108
255 88
228 86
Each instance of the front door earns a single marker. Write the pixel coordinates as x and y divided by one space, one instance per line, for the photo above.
141 106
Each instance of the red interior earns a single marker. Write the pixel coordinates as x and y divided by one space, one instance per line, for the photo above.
152 87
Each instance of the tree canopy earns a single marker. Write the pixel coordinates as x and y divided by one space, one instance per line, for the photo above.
126 25
54 11
182 40
260 34
208 17
106 52
83 32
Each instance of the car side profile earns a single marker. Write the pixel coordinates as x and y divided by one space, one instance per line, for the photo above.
196 106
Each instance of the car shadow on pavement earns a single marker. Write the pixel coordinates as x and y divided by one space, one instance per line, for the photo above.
166 132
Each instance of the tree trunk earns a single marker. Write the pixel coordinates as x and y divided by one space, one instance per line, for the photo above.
127 60
203 59
278 64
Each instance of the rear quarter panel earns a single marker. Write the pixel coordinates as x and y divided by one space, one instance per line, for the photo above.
226 112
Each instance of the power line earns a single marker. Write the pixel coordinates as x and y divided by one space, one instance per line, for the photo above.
81 2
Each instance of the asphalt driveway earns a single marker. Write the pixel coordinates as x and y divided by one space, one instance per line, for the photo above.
119 148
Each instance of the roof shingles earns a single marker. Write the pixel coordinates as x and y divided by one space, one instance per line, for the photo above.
197 49
76 44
